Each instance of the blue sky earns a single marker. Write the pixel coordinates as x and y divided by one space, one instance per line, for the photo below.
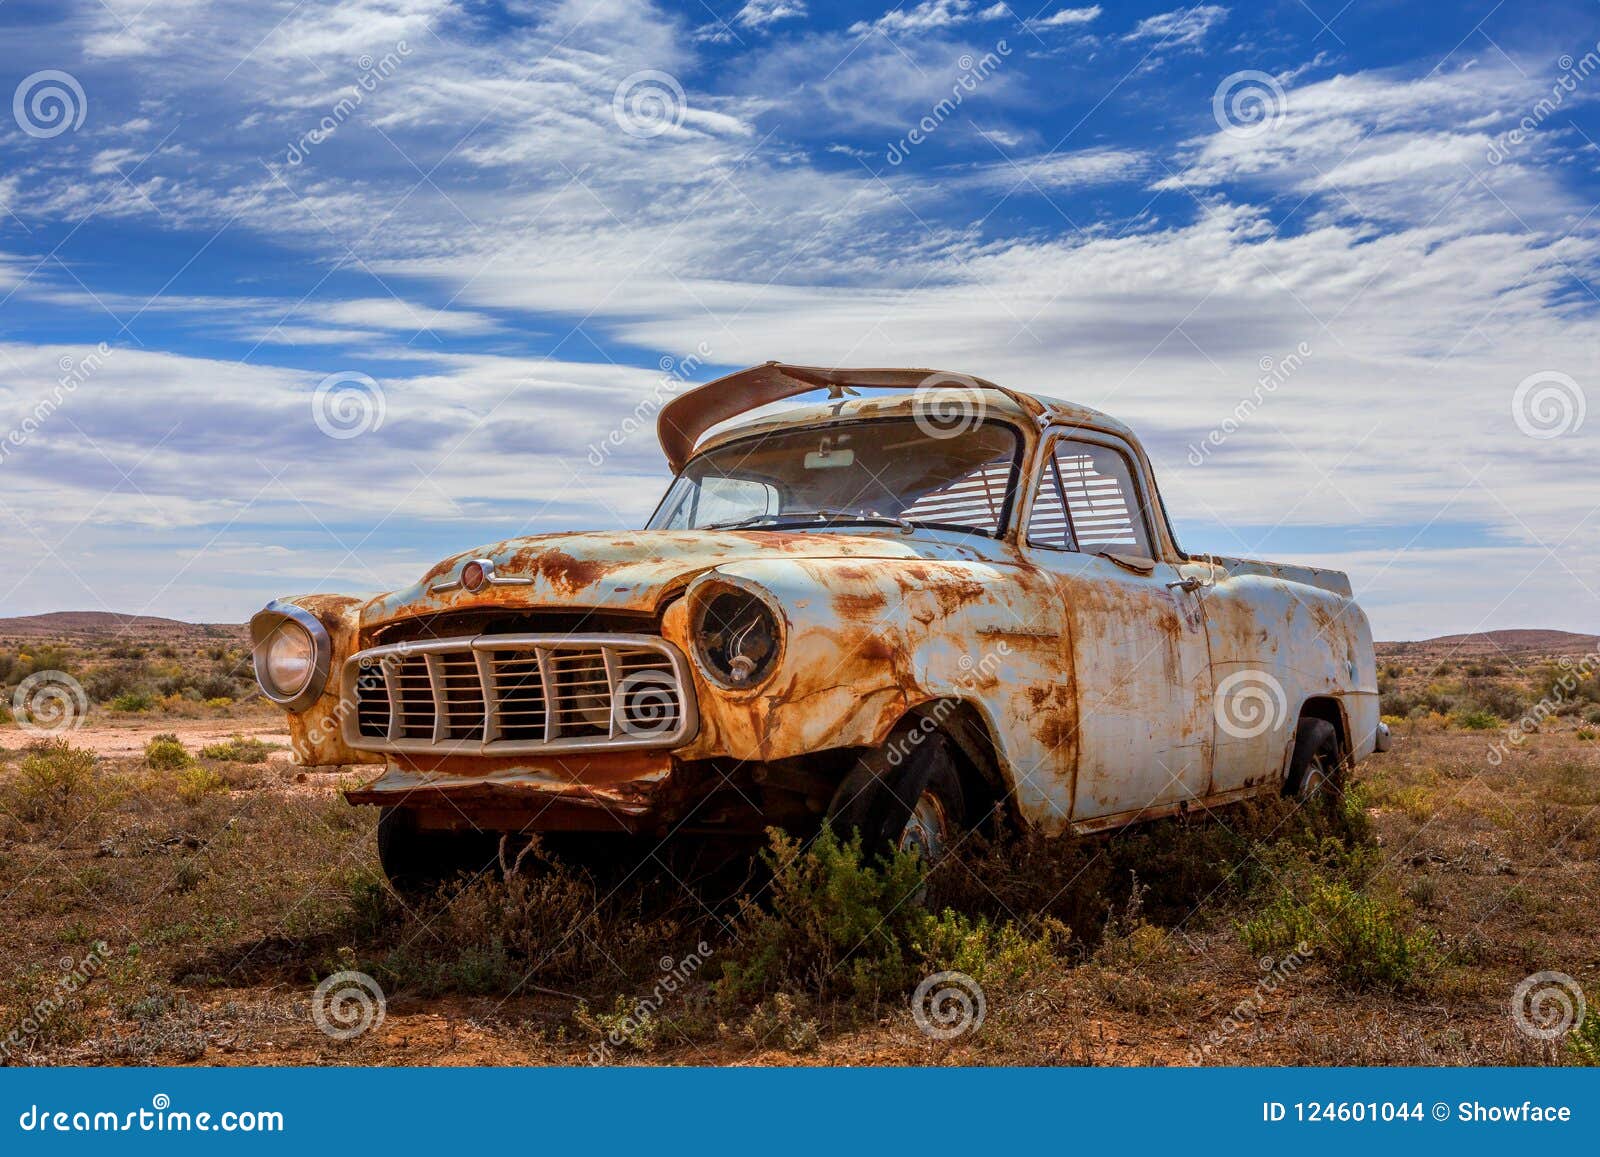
490 226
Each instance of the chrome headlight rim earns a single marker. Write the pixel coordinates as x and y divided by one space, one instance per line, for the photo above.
701 593
263 626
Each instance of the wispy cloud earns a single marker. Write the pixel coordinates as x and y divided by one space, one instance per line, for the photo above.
1180 28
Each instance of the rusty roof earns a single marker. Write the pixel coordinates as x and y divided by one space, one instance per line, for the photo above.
685 419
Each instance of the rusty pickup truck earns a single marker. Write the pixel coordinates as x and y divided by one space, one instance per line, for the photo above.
914 604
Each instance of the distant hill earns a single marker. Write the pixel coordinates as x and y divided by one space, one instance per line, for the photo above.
57 624
1506 642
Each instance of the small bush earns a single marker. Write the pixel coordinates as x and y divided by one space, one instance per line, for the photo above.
781 1022
834 925
60 787
165 752
238 750
1583 1042
196 781
132 701
1365 936
1475 720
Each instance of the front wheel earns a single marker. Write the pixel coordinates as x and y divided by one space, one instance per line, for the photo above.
912 803
418 859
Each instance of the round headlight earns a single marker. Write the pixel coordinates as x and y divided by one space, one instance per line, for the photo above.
292 654
290 658
736 637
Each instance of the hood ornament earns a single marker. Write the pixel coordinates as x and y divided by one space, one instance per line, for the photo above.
476 575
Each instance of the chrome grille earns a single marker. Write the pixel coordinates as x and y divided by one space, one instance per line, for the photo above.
508 694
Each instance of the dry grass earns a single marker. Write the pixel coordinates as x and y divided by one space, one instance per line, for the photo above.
201 904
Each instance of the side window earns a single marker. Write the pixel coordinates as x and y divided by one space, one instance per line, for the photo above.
1095 505
1047 524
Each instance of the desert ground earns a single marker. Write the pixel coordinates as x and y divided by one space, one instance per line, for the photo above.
175 890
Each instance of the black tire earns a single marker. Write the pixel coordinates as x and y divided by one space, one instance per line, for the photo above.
1317 767
915 801
418 860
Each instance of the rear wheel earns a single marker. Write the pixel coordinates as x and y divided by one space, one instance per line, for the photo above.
418 859
1317 768
914 803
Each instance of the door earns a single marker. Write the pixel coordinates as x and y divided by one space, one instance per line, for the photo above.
1138 638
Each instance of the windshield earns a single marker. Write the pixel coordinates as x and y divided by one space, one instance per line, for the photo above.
890 471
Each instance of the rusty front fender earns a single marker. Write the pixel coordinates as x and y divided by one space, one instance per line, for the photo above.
868 642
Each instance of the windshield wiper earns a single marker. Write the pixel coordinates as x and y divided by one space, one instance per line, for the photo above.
801 517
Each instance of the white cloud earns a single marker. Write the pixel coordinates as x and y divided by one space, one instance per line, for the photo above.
1067 18
763 13
1062 171
929 16
1180 28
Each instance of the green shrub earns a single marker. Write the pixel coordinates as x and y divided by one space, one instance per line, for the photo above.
1476 720
196 781
833 924
1583 1042
1000 956
60 787
165 752
1365 936
132 701
238 750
